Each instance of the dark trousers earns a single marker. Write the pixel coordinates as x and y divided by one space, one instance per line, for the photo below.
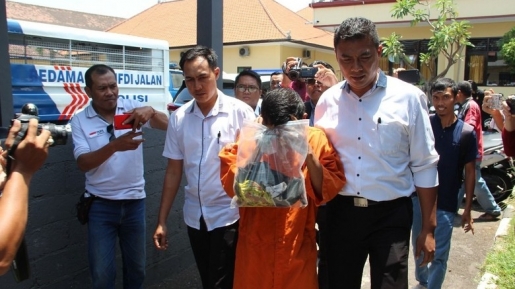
323 279
380 231
214 253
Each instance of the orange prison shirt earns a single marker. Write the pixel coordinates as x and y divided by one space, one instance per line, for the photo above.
277 246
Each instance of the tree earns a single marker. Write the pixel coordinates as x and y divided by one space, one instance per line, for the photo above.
449 37
507 44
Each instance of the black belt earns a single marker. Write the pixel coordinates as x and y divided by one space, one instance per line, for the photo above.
362 202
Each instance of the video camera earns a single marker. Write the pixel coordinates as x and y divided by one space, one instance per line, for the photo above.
29 111
299 72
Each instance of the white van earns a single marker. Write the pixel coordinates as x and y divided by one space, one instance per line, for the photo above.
48 63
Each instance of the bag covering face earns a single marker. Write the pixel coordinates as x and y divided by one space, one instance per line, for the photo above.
270 165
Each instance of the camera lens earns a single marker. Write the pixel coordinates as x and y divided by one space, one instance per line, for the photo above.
58 132
293 74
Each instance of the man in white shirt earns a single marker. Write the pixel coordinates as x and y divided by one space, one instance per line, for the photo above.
380 127
196 133
113 163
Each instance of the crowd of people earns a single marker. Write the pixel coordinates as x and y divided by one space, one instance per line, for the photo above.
379 169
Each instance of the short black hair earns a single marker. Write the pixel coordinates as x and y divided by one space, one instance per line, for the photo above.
276 73
325 64
200 51
442 84
356 28
250 73
279 105
473 84
465 87
99 69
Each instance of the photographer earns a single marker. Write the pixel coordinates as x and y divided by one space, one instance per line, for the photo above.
299 86
324 75
29 155
324 78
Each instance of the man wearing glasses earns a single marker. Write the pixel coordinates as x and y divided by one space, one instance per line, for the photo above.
248 89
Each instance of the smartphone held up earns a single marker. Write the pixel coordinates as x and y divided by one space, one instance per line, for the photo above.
119 119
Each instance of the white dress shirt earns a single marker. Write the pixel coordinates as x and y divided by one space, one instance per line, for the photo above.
384 138
197 139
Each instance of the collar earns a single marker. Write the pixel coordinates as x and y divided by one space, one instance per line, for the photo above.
220 104
380 82
439 121
462 104
91 112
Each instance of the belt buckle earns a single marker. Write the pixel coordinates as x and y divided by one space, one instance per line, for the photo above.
360 202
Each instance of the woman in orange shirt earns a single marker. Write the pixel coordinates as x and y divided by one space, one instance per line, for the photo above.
276 246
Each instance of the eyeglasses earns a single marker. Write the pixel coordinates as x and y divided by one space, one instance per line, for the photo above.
312 81
243 88
110 130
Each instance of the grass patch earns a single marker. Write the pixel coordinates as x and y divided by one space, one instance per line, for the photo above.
501 260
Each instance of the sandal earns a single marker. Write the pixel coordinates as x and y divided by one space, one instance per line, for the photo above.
488 217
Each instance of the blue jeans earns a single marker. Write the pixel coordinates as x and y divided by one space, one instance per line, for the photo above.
432 275
109 220
483 195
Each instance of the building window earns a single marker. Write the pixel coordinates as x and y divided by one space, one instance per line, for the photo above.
412 49
242 68
485 65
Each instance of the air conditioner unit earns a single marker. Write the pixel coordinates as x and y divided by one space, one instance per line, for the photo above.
306 53
244 51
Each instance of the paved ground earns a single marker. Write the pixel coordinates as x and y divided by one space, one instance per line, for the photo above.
467 255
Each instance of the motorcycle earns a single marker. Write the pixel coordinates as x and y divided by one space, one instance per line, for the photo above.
497 169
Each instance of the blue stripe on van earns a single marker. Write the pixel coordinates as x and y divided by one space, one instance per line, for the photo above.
27 88
14 27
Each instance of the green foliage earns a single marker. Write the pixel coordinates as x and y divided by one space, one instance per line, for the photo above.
507 37
394 49
507 44
449 36
501 260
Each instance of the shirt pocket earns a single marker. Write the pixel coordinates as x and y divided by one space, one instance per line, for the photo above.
393 139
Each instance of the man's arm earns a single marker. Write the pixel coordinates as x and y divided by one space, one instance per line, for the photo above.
289 63
171 185
141 115
28 158
325 75
423 164
508 133
94 159
426 239
159 121
470 182
228 167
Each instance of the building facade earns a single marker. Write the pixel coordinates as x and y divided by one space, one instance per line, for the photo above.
490 20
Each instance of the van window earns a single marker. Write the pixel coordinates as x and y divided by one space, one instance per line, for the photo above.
176 78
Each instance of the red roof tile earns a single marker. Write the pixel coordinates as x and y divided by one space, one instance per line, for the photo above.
244 21
35 13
